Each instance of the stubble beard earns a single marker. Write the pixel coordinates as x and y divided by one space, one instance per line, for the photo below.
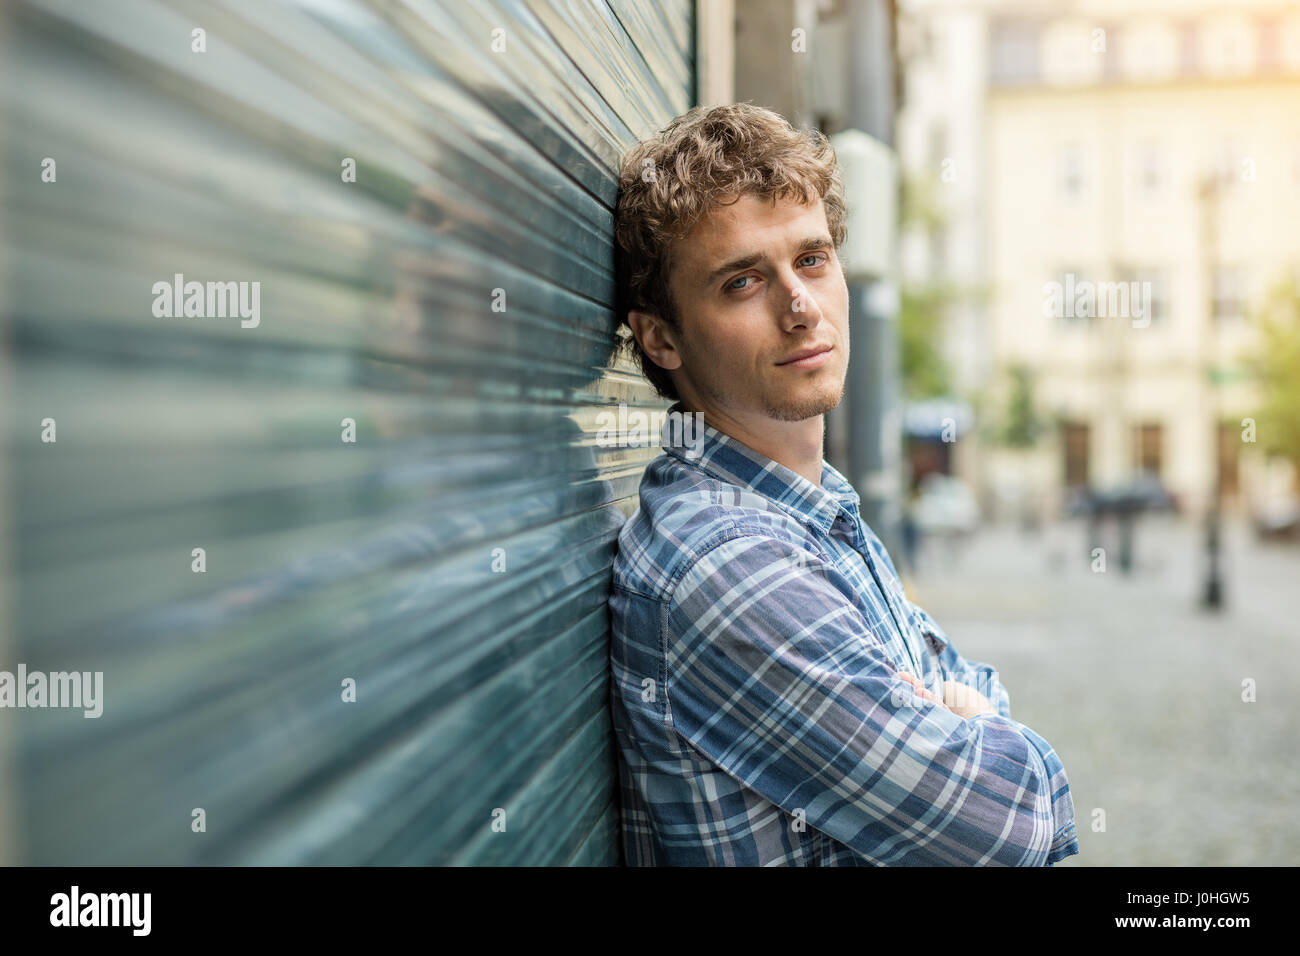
805 406
797 408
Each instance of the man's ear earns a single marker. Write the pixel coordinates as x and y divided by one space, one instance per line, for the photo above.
655 337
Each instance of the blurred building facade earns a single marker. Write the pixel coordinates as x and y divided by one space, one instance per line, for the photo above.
1114 185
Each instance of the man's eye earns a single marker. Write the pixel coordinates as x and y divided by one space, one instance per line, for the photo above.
731 286
814 255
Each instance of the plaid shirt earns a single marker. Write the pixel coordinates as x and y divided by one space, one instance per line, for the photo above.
758 629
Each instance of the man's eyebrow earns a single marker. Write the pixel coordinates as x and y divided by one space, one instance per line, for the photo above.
810 244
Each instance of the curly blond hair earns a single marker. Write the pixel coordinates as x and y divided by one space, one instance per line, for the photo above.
704 157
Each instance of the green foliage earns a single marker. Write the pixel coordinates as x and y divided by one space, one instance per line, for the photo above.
1021 424
924 308
1276 362
920 322
919 206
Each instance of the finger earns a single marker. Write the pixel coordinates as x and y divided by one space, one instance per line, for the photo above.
914 681
919 688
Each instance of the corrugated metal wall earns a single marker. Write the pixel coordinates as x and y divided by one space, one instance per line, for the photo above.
453 302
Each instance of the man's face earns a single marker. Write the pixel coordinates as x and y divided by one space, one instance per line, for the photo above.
757 284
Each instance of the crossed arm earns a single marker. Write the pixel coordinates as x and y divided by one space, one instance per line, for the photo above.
777 678
968 687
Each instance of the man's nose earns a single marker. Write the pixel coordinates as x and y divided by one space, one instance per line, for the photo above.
798 306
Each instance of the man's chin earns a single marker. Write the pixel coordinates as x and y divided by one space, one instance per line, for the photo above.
806 406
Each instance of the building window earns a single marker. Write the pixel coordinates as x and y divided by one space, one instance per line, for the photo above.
1158 306
1075 441
1148 292
1227 165
1071 171
1288 41
1151 50
1188 42
1270 38
1148 170
1148 439
1229 46
937 240
1229 294
1014 52
938 144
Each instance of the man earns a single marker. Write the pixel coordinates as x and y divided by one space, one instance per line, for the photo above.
777 700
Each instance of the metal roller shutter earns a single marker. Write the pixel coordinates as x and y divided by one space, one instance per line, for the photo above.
453 302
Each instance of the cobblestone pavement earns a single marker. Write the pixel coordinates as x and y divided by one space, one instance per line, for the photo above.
1137 688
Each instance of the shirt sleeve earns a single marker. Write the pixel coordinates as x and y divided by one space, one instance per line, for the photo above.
775 677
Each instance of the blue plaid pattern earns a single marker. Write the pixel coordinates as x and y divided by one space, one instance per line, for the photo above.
758 629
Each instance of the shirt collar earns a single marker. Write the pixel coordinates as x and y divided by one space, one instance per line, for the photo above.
695 443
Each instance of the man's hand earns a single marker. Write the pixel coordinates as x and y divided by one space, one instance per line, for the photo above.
962 700
966 701
920 688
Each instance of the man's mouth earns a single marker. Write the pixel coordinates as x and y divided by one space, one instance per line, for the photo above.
807 358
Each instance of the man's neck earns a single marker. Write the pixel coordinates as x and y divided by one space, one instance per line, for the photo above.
796 445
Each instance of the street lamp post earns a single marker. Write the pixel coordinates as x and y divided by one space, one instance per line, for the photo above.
1212 595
